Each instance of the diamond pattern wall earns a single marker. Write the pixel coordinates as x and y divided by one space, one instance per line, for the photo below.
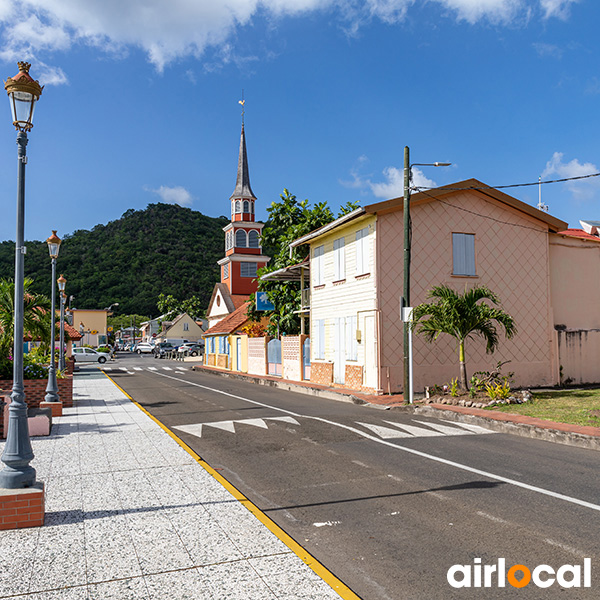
511 254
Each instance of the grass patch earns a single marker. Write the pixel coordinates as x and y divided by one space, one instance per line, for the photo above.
577 407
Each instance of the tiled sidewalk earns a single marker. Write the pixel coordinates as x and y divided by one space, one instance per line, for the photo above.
131 515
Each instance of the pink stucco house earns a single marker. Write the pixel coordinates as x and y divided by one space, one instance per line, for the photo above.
464 234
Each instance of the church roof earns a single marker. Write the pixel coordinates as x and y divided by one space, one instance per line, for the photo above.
242 186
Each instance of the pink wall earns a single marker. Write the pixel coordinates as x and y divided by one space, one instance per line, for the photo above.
575 289
512 259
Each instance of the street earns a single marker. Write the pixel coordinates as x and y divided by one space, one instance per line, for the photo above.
387 500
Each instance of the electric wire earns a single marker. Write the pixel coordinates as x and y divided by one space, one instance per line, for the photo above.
512 185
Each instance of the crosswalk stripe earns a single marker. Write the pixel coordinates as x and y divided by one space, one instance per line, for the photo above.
445 429
385 432
138 369
416 431
473 428
152 369
180 369
107 368
167 369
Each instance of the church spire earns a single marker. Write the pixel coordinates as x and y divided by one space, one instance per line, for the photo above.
243 190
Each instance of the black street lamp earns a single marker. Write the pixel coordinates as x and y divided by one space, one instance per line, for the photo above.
62 283
23 93
52 388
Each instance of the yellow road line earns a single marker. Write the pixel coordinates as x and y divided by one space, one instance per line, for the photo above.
323 572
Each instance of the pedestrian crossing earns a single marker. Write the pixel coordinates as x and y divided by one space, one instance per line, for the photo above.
132 370
397 431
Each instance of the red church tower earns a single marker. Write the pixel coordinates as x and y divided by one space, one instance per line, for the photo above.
243 253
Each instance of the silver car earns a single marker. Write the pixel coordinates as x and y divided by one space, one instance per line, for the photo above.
89 355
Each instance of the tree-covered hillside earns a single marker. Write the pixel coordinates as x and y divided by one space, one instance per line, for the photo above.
164 248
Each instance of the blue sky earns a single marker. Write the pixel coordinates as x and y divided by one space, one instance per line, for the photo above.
141 101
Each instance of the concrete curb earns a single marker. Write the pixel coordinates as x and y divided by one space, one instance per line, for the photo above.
285 385
548 434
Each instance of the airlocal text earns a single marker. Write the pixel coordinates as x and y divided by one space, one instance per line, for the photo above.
498 575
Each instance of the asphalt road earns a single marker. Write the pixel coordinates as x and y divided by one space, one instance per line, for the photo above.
388 501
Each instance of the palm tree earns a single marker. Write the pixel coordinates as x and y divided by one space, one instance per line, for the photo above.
36 313
462 316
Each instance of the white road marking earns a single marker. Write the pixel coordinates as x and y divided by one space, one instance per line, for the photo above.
326 523
138 369
567 548
445 429
196 428
444 461
180 369
473 428
167 369
491 517
107 368
152 369
385 432
416 431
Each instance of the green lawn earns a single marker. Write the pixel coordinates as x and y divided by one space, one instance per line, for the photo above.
578 407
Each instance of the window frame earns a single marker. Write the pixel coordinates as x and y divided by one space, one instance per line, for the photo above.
339 259
463 253
248 265
319 263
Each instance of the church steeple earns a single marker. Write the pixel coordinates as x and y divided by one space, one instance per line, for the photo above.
243 252
243 191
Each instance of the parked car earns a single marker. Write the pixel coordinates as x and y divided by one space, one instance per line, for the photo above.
162 348
89 355
144 348
190 348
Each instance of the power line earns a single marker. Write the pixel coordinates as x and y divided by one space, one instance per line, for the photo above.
513 185
472 212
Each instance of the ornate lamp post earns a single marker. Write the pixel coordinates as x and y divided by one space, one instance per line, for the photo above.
52 388
62 282
23 93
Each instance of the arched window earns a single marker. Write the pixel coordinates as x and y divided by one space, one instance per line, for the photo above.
240 238
246 206
253 239
238 206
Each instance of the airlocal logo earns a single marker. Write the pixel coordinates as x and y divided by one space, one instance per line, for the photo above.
543 576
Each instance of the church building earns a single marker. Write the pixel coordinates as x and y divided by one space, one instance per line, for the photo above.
243 257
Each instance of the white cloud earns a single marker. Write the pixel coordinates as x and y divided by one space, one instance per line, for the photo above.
170 29
582 189
548 50
492 10
556 8
391 187
173 195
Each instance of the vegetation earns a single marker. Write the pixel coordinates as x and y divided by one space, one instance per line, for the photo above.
288 220
170 307
36 314
463 316
577 407
164 248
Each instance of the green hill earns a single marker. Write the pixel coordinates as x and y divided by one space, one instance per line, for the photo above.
164 248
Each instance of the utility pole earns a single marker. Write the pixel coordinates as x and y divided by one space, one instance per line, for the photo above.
407 249
407 392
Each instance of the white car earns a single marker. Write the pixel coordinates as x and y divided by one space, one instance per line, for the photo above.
89 355
144 348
